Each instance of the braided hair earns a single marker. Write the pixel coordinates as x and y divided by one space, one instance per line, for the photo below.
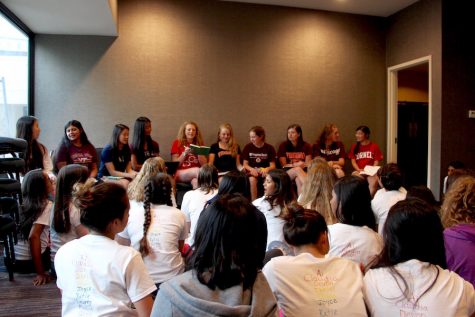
157 191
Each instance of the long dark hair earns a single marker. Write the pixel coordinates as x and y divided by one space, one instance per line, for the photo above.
68 176
157 191
118 128
208 178
230 243
139 138
34 152
284 193
366 131
413 230
354 202
235 182
35 193
288 145
100 204
82 135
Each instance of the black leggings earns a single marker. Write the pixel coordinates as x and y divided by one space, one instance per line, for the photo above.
27 266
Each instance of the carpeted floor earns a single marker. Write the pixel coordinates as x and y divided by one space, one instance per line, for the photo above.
21 298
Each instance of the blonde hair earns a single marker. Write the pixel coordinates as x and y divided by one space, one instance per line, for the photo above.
198 140
317 189
459 202
150 168
232 144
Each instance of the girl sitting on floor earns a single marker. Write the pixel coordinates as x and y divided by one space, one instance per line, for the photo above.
96 275
278 194
32 253
458 218
224 277
158 230
410 278
317 189
354 235
136 189
64 222
195 200
311 283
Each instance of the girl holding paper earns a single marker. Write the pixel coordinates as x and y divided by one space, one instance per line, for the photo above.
364 153
189 163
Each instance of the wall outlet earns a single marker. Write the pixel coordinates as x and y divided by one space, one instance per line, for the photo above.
471 114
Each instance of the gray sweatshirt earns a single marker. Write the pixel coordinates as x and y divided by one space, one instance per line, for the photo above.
185 296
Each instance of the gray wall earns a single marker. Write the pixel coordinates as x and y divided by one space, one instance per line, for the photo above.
413 33
213 62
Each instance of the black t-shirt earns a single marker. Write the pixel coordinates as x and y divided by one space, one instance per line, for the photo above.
223 160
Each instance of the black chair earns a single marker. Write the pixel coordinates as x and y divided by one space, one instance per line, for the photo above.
8 237
12 167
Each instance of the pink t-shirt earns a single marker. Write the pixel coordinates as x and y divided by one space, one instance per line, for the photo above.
366 154
191 160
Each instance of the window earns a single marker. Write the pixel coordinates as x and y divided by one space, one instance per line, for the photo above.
15 87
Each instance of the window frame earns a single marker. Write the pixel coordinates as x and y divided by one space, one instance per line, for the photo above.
31 54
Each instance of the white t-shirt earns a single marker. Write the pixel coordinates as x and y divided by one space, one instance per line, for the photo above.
59 239
275 224
308 286
449 296
166 228
22 248
359 244
383 201
192 205
99 277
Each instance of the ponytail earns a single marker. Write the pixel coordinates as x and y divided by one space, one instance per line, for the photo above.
144 247
157 191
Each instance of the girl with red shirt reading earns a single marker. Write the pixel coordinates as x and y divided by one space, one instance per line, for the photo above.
189 163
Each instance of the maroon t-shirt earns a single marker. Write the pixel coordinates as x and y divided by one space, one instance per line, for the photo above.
294 154
85 155
258 157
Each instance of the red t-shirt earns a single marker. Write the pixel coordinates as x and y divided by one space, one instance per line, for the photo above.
366 155
191 160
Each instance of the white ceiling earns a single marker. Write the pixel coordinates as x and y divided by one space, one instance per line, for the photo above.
96 17
75 17
382 8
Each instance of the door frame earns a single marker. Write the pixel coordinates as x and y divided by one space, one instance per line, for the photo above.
392 102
